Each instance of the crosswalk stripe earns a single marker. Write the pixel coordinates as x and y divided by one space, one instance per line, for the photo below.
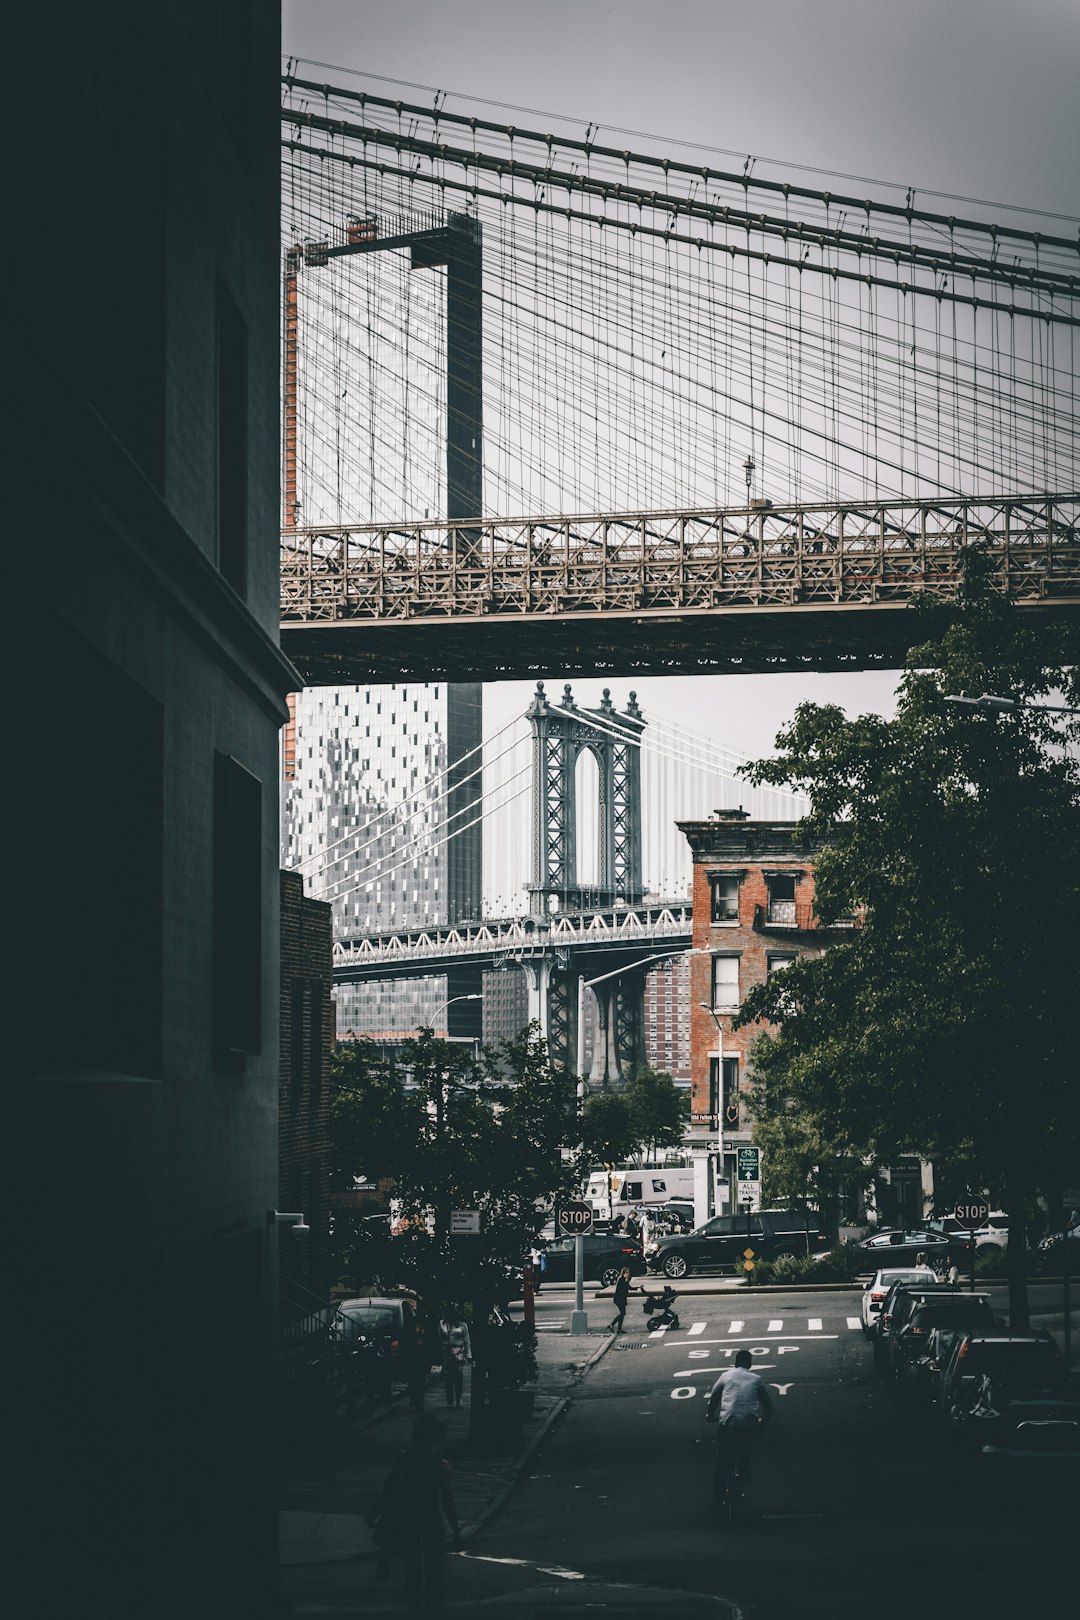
853 1322
776 1325
814 1324
697 1327
736 1327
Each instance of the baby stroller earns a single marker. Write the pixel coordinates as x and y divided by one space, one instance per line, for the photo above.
660 1304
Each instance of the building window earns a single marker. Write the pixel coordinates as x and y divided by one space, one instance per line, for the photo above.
777 962
97 855
725 983
731 1094
781 898
237 912
724 890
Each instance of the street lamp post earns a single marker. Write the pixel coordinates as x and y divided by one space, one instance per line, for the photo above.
1004 705
441 1222
579 1321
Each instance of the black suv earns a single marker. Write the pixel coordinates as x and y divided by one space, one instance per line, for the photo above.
896 1307
604 1256
722 1241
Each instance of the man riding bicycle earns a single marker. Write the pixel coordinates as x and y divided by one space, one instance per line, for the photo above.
742 1402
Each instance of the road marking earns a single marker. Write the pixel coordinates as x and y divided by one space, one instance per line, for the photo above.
736 1327
821 1336
697 1327
776 1325
814 1324
854 1322
695 1372
525 1563
781 1389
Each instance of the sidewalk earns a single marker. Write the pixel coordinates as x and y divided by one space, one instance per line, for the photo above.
324 1498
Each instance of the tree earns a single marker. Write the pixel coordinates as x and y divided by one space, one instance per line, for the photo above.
659 1109
456 1132
954 843
649 1115
608 1130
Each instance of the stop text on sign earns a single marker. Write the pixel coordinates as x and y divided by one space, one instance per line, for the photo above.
972 1210
574 1219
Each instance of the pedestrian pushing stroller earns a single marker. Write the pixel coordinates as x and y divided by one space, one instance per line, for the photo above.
660 1305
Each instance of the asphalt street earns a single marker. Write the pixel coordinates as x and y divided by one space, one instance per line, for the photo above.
860 1505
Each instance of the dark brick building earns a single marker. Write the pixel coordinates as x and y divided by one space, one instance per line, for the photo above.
306 1042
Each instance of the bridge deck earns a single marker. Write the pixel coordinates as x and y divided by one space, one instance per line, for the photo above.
761 588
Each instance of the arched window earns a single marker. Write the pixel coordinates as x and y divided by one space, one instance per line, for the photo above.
587 807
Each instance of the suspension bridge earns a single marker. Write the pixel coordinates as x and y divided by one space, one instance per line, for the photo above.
555 407
587 914
745 420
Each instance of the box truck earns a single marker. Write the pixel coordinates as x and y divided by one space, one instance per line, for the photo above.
616 1192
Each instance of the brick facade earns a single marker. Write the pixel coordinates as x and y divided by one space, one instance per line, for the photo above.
755 871
307 1041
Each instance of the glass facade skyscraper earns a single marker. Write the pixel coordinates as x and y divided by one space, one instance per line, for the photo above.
380 823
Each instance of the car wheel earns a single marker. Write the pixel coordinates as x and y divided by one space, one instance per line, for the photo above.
608 1276
675 1266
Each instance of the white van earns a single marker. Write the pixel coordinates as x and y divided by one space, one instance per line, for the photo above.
616 1192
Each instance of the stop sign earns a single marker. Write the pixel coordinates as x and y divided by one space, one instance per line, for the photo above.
972 1211
574 1219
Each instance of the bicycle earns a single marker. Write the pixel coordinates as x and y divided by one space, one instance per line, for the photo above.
731 1497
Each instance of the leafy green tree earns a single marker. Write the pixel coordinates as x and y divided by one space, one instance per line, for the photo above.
497 1134
944 1025
609 1130
659 1109
647 1116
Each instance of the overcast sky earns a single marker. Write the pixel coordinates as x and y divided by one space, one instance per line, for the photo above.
970 98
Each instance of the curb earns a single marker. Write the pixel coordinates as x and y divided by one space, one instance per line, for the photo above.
524 1456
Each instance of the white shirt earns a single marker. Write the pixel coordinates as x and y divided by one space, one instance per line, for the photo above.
743 1397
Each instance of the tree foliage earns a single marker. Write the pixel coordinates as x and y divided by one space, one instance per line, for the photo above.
452 1131
943 1025
647 1117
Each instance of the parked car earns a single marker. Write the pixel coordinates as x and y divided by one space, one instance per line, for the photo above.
605 1254
924 1367
718 1244
895 1309
875 1290
992 1234
911 1328
380 1330
902 1248
1011 1394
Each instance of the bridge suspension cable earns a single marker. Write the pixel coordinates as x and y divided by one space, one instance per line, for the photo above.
656 332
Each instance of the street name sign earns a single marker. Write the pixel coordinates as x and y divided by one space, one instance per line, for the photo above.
972 1211
748 1164
574 1219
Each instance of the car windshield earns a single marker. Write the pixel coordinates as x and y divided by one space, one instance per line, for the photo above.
890 1277
367 1319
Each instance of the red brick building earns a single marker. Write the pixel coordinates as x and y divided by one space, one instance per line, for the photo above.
753 898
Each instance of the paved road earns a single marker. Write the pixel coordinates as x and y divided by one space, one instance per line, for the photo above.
860 1507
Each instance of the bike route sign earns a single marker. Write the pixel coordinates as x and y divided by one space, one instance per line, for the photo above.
574 1219
748 1164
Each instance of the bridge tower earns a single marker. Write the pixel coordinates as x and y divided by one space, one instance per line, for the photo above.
561 734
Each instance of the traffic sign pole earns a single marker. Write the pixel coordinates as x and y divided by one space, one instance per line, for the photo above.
575 1220
579 1321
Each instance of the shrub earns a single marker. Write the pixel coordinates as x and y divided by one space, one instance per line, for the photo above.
843 1264
992 1262
787 1268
